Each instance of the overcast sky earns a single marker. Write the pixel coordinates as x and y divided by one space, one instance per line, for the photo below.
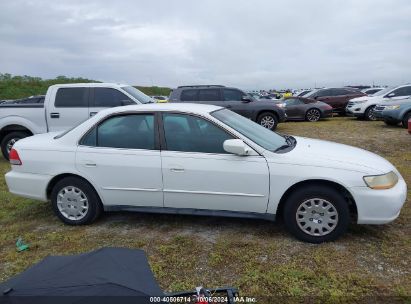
248 44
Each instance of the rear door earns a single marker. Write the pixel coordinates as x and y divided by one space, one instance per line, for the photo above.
102 98
121 157
294 108
69 109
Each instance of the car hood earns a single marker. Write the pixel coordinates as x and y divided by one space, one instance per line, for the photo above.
321 153
362 98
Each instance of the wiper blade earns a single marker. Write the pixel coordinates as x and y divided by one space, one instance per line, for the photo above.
282 148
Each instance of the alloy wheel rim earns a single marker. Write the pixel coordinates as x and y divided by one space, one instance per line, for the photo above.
11 143
72 203
371 115
267 122
317 217
313 115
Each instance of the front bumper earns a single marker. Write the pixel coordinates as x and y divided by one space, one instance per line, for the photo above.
379 206
355 110
28 185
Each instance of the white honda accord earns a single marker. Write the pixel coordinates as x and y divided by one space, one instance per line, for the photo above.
204 160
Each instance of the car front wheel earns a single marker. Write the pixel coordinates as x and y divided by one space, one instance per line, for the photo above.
316 214
75 201
268 120
369 113
313 115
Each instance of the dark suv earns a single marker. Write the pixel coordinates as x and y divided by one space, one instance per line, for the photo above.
336 97
264 112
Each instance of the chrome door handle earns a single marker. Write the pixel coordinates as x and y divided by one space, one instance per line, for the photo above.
177 170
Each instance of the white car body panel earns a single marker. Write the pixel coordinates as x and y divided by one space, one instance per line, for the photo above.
357 106
252 184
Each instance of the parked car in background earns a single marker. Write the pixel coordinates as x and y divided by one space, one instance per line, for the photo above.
337 98
65 106
395 112
264 112
363 107
303 92
371 91
409 126
300 108
204 160
29 100
160 99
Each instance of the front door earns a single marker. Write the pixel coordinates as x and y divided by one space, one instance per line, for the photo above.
234 102
121 157
102 98
199 174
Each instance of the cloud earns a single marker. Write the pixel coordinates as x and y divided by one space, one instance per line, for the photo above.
248 44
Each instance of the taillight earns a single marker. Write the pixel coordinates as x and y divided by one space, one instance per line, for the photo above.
15 158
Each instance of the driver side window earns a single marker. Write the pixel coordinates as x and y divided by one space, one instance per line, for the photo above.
232 95
188 133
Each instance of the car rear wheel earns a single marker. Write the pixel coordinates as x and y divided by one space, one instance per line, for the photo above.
407 117
268 120
313 115
75 201
9 140
316 214
369 113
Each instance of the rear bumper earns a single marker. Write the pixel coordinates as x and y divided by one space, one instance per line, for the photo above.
28 185
379 206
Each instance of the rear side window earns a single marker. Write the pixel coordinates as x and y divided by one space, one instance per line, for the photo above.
404 91
209 95
189 95
72 98
134 131
106 97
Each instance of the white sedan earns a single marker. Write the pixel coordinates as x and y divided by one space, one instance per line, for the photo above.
205 160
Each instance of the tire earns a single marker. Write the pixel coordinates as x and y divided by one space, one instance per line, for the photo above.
313 115
312 195
75 189
404 122
9 140
369 113
268 120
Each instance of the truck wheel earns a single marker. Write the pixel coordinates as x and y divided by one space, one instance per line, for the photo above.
316 214
268 120
407 117
369 113
9 140
75 201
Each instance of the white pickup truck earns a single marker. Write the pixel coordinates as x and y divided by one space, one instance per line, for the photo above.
65 106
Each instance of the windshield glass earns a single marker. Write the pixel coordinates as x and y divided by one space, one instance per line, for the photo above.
382 92
137 94
263 137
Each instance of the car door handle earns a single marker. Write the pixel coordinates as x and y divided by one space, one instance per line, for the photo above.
177 170
54 115
92 114
90 164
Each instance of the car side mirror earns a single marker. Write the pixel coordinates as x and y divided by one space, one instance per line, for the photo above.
391 95
236 146
127 102
246 99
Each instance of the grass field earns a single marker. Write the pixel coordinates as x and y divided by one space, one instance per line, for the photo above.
258 257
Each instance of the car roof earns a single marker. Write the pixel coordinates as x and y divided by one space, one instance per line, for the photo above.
164 107
90 84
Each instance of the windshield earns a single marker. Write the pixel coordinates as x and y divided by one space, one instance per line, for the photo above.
263 137
137 94
382 92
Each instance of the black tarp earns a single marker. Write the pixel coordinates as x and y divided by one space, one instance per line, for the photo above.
100 276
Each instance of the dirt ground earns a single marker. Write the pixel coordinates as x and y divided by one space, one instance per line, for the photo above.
371 263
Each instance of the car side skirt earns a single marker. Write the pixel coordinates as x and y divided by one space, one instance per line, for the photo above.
190 211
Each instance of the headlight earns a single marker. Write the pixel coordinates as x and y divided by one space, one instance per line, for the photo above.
281 105
394 107
384 181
